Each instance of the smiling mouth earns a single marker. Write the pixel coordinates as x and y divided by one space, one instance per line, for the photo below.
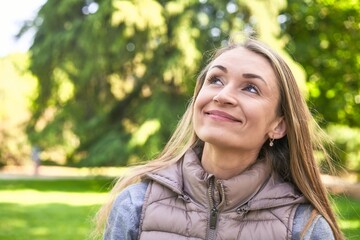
220 115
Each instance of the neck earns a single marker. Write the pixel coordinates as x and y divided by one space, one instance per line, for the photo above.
226 163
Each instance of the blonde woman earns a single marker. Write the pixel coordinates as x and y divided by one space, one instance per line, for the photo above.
240 164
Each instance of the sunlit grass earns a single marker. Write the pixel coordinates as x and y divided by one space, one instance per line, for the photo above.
31 197
50 209
45 221
350 224
348 211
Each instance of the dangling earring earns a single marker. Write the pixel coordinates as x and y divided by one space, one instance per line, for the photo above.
271 143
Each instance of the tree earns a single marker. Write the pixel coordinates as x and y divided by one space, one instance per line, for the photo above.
323 37
114 75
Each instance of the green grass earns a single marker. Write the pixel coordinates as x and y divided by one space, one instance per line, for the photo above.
41 209
348 211
49 209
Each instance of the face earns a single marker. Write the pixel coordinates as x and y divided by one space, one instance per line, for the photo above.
237 104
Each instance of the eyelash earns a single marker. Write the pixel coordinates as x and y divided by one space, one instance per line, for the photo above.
253 87
214 79
249 86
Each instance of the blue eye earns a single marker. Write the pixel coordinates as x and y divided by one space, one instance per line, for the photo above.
215 80
251 88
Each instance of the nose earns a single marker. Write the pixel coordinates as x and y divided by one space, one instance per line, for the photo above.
225 96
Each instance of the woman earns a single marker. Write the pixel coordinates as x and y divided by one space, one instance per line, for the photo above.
240 164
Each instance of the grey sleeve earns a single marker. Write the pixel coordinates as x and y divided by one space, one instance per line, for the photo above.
124 218
318 230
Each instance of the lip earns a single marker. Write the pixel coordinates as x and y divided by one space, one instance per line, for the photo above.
222 115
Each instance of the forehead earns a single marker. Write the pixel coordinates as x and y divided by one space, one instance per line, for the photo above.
243 59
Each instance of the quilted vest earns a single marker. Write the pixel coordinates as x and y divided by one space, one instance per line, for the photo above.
184 202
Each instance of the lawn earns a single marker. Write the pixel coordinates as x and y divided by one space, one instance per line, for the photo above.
40 209
348 211
49 209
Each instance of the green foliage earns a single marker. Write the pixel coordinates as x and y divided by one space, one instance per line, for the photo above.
107 68
323 37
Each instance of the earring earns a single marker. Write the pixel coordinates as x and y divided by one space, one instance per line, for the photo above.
271 143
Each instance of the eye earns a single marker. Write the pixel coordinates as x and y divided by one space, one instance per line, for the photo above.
251 88
215 80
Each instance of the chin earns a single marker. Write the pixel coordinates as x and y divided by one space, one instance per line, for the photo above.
217 141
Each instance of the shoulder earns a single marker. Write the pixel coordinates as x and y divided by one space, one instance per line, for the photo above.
318 229
124 217
133 194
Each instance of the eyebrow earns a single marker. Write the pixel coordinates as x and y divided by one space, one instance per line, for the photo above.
220 67
245 75
252 75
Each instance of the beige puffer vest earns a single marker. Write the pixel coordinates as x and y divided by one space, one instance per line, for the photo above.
184 202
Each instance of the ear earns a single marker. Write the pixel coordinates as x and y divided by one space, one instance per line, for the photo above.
279 129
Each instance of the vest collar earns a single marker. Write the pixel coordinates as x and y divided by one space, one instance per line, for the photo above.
188 178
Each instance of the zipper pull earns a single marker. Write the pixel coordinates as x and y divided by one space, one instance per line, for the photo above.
213 218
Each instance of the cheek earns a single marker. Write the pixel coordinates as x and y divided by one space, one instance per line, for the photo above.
200 101
199 105
262 114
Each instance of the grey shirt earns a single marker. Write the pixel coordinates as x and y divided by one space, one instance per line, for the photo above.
124 219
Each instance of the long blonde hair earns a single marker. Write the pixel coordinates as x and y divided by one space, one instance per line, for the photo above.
292 157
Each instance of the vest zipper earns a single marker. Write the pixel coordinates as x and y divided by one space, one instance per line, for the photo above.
214 208
213 218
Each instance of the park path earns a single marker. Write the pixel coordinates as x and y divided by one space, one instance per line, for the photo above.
347 186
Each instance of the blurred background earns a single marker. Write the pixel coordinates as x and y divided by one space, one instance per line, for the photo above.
88 87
